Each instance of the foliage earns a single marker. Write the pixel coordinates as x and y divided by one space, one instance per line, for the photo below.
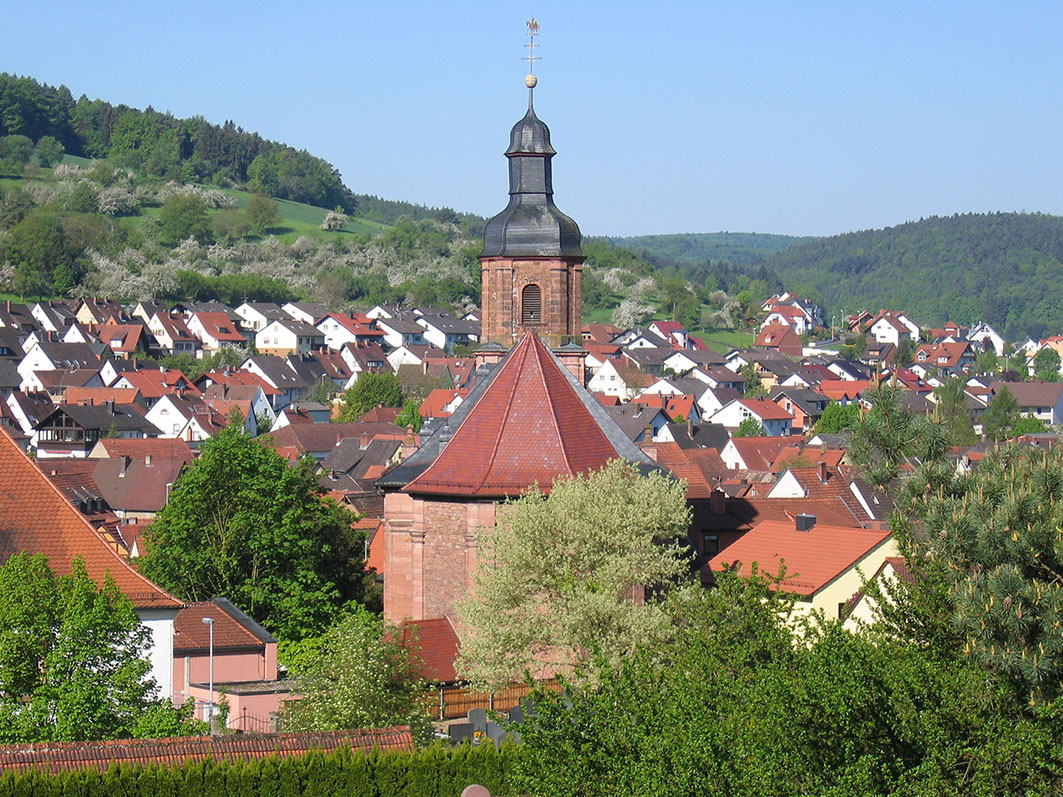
952 414
244 524
261 212
734 701
1001 416
410 415
360 678
995 537
435 770
887 435
1046 365
1028 424
182 217
838 418
49 151
750 427
73 660
334 221
696 249
370 390
38 248
561 574
1001 268
298 176
193 367
754 386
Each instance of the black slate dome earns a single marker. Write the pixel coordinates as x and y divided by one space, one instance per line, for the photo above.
531 225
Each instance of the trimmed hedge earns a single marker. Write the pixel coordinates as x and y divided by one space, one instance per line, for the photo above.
435 770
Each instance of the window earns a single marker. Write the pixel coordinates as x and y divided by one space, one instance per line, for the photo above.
710 544
531 305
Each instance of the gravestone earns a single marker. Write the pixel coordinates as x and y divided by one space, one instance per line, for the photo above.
478 719
461 732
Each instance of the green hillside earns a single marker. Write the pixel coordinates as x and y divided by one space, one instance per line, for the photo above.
696 249
1003 268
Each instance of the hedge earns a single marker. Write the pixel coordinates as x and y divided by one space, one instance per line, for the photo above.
435 770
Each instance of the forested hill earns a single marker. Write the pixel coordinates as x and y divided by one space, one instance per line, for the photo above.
697 249
1003 268
158 144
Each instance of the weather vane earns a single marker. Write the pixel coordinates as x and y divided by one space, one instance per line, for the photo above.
531 57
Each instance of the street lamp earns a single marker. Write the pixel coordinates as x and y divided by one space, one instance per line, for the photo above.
209 622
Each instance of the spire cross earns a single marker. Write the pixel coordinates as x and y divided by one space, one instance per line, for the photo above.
531 57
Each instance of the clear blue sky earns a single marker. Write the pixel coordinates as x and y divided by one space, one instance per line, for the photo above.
800 118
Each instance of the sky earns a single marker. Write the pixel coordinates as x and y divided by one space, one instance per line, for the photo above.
809 118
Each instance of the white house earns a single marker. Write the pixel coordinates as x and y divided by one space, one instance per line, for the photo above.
985 336
288 336
776 421
607 381
890 327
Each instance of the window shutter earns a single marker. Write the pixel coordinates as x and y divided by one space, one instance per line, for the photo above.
531 305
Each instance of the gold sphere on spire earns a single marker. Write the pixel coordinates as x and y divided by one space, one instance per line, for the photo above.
530 81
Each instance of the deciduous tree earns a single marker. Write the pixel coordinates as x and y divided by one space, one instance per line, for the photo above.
262 211
360 677
245 524
561 575
370 390
73 662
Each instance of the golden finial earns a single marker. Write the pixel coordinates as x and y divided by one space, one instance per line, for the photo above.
531 58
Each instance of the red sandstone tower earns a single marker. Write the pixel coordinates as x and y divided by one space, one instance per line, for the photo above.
532 264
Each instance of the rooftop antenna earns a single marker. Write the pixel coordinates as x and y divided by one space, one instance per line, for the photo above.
530 80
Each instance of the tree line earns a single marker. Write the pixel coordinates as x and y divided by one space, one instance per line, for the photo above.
159 144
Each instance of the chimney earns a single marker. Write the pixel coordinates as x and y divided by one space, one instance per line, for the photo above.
822 468
124 466
690 424
718 502
109 404
147 460
804 522
365 440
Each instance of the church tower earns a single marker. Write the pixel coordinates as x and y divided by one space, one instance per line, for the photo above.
532 265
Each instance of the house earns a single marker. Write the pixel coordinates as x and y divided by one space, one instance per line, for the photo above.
125 340
279 374
599 333
136 488
153 384
825 566
863 608
47 355
444 331
71 430
401 329
57 383
37 518
172 335
805 405
947 358
789 316
986 338
307 312
774 419
244 661
413 354
441 402
671 331
254 395
215 330
340 329
1041 400
255 316
285 336
783 339
890 327
683 360
318 439
641 423
608 381
755 453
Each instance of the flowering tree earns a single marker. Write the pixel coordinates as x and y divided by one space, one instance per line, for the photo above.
562 576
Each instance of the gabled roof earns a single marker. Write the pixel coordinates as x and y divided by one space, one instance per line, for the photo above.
220 327
35 517
760 452
161 447
104 417
528 422
765 410
1031 394
813 558
157 383
233 629
135 485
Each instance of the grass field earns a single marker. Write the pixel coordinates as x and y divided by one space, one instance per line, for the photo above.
723 340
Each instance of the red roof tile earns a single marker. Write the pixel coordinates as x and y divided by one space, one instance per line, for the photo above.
62 756
230 632
529 426
37 518
813 558
435 644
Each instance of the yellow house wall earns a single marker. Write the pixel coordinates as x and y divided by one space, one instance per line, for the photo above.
842 588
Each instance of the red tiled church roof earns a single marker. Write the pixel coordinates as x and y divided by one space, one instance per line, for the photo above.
35 517
529 426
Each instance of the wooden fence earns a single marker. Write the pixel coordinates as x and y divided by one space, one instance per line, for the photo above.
451 702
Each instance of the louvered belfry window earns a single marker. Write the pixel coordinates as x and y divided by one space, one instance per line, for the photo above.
531 305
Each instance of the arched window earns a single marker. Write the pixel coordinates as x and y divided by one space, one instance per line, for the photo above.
531 305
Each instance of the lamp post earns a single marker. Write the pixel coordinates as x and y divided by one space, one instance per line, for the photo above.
209 622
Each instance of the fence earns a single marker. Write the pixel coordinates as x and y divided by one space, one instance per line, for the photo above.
451 702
